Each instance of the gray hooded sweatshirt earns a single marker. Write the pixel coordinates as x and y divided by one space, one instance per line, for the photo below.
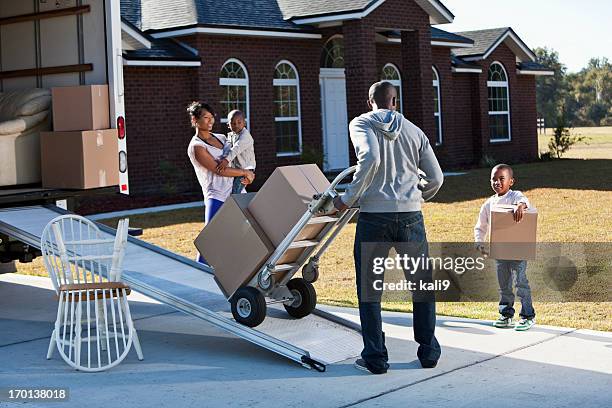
390 152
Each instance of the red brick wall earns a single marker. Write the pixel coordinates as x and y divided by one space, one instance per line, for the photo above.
158 129
260 57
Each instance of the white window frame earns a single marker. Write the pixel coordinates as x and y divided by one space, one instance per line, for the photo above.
499 84
237 82
438 116
290 82
396 82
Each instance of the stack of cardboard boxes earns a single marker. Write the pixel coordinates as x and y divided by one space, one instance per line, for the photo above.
249 227
81 152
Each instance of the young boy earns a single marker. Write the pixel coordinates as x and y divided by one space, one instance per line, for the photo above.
240 150
502 178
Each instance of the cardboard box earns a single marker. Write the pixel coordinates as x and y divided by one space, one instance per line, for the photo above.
80 108
234 244
511 240
284 198
80 160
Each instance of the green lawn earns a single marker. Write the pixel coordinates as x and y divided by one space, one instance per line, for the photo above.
598 144
573 198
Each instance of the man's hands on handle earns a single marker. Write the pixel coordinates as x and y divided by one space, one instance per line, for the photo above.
339 204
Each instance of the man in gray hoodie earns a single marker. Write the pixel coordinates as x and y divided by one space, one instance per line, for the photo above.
390 152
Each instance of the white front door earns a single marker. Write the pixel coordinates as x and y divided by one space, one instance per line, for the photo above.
335 123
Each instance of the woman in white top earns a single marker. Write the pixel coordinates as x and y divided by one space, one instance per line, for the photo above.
204 150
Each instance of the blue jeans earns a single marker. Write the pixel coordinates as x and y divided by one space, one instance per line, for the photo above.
237 185
389 228
211 206
506 270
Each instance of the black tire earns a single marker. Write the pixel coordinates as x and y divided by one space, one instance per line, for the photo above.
248 306
306 298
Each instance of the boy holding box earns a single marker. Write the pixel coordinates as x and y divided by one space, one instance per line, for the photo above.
502 178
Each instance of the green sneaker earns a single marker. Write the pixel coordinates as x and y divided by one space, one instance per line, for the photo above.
524 324
503 322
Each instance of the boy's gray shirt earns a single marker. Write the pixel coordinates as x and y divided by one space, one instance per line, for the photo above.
240 149
390 152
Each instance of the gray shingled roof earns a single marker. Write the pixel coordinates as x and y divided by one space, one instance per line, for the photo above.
459 63
162 50
533 66
132 12
311 8
483 41
153 15
441 35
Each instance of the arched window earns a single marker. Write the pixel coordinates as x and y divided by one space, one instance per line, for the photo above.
391 74
234 80
499 103
333 53
437 106
287 109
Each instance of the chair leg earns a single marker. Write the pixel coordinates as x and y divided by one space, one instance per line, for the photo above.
77 339
51 345
126 311
101 324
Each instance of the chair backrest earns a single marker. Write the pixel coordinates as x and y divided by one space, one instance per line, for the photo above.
76 251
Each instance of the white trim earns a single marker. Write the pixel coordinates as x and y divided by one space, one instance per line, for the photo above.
436 84
523 47
235 31
444 13
135 35
286 118
396 82
450 44
332 73
290 82
467 70
154 63
237 82
361 14
541 73
340 17
500 84
436 43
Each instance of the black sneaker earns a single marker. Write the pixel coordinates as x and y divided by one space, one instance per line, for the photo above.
429 363
360 364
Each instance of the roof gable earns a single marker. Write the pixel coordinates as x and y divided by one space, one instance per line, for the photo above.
486 41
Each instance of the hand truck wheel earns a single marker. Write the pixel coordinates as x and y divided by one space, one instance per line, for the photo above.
304 298
248 306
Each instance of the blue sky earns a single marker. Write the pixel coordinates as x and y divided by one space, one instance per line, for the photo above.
576 29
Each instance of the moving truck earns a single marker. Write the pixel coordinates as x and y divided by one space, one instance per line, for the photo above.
56 43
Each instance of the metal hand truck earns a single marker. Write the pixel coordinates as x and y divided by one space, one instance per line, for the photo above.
275 281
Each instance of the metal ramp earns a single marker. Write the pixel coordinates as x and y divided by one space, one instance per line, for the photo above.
188 286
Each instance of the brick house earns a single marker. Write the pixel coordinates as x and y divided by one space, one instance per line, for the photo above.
301 70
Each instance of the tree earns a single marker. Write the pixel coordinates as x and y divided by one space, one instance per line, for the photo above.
589 98
562 139
550 90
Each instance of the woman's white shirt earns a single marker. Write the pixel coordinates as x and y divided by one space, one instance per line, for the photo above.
213 185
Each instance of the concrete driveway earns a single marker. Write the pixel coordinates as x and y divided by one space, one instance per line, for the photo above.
189 363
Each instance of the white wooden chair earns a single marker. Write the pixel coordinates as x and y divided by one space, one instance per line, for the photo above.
94 329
